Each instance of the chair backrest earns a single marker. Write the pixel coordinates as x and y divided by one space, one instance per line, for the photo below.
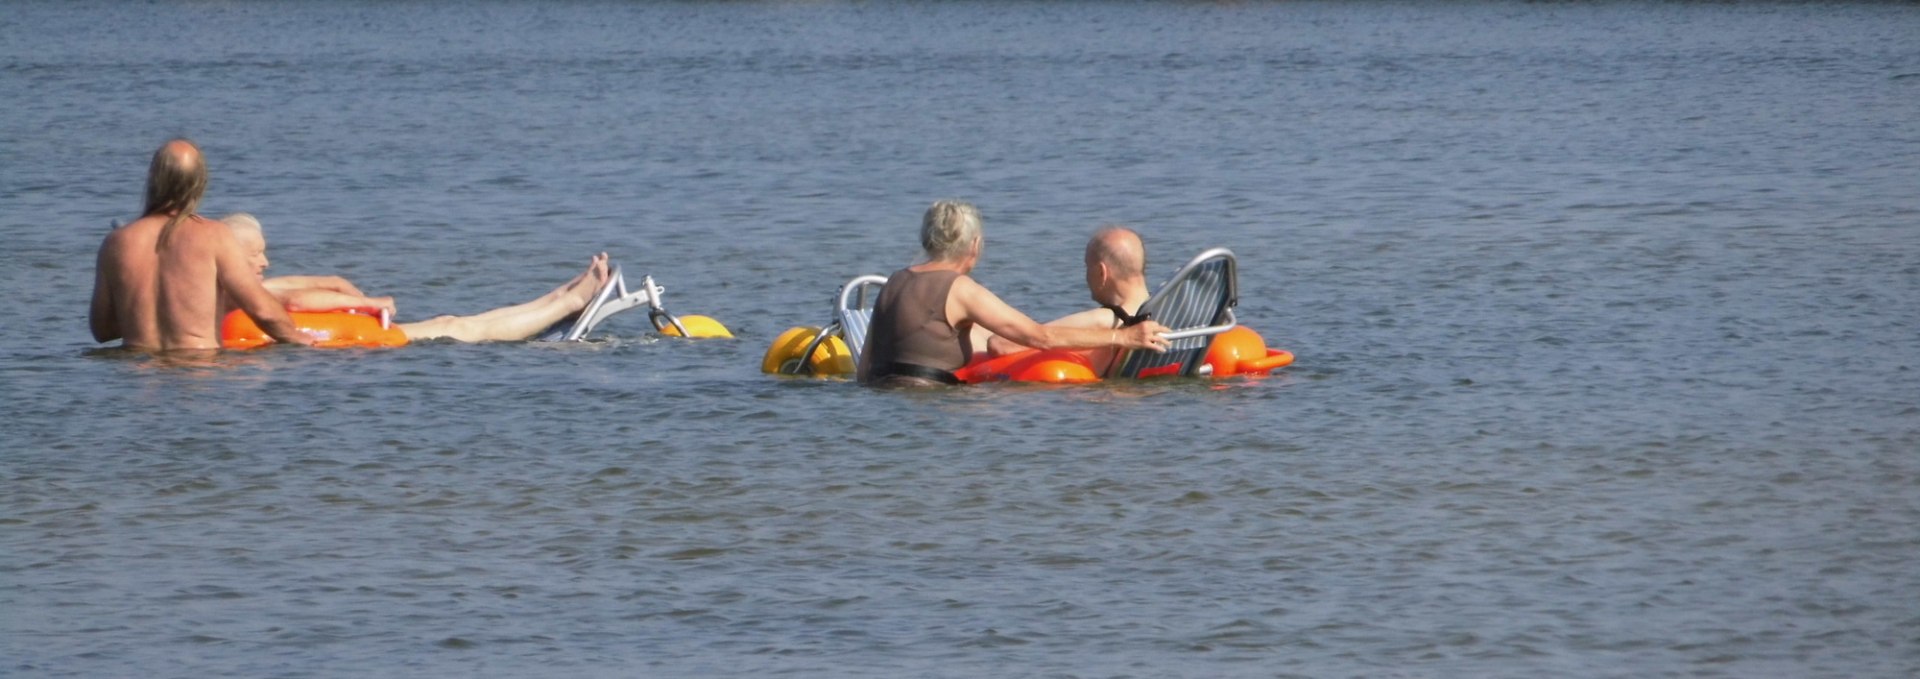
853 311
1195 305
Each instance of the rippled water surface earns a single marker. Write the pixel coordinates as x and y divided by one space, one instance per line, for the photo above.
1606 319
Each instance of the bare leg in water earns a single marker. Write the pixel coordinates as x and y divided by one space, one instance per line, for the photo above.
520 321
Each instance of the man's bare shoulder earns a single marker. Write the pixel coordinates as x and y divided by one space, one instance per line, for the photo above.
137 226
1098 317
138 233
199 234
204 228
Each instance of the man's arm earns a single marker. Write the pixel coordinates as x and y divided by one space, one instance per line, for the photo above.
324 293
101 317
242 286
1091 318
318 299
281 285
969 300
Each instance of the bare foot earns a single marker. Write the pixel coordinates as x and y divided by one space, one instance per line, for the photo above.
583 287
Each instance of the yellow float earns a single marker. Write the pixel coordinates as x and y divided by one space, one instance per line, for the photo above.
788 354
697 327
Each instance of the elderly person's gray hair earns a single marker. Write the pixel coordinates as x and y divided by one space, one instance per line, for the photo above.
949 230
241 221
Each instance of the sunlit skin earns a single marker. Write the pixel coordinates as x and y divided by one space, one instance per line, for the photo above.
332 293
161 281
970 305
304 293
1115 264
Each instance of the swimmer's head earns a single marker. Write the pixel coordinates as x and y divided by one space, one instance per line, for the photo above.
176 179
950 231
252 239
1115 258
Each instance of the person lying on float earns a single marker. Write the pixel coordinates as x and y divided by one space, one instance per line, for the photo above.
332 293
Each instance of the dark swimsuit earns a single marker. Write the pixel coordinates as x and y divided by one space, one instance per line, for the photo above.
1126 320
909 340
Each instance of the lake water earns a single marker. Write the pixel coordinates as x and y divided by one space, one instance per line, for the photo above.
1607 315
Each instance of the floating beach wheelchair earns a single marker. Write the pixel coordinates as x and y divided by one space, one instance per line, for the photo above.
833 350
614 298
1196 304
369 328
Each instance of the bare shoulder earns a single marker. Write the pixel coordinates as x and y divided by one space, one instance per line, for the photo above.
969 291
971 287
976 301
137 234
206 227
198 232
115 239
1100 317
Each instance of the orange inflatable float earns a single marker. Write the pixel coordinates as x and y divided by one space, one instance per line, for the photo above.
330 329
1239 351
1052 366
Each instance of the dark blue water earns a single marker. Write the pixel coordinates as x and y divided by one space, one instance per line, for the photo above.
1605 315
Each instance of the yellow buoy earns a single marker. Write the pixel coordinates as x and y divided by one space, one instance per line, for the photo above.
784 356
833 358
787 347
698 327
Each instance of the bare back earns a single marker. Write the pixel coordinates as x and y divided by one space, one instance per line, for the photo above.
158 294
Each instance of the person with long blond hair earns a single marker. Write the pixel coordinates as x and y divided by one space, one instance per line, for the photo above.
160 281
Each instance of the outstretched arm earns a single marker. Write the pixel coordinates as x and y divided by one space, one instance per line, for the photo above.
281 285
969 300
1091 318
317 299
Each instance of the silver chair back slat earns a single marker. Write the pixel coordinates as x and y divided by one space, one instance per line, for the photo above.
1196 304
854 311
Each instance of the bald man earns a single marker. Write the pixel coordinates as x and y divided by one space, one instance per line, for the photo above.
160 281
1116 278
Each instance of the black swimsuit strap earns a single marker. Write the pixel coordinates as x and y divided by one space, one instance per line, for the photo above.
920 371
1126 319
